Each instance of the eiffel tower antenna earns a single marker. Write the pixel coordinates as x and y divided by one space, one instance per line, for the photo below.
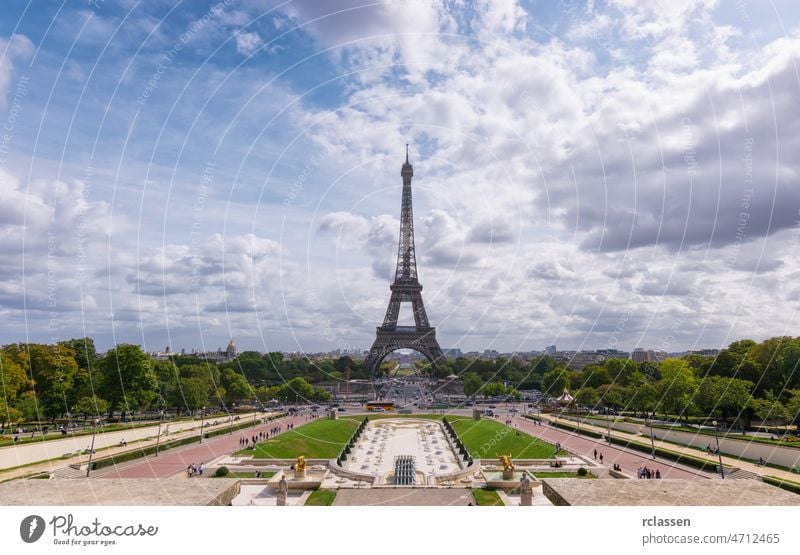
406 288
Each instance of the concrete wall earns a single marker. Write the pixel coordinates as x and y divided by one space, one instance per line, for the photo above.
784 456
459 474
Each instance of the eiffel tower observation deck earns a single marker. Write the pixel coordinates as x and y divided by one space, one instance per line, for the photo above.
406 288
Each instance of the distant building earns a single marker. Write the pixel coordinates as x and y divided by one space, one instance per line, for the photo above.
452 353
705 352
578 360
647 355
230 350
550 350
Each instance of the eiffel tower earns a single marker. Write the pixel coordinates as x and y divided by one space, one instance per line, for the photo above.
406 288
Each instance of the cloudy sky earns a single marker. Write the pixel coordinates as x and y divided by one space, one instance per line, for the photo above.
590 174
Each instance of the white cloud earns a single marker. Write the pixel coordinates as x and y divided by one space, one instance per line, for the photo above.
248 43
15 48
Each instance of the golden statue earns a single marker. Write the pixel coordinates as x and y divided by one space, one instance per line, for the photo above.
505 460
300 464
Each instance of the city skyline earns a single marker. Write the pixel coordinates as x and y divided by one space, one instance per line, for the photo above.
588 174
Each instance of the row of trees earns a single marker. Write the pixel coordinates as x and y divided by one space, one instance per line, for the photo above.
748 380
49 381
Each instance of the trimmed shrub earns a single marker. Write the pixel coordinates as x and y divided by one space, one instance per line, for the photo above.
794 487
582 471
221 472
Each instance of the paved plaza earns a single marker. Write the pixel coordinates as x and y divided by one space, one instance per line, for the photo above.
219 491
383 440
666 493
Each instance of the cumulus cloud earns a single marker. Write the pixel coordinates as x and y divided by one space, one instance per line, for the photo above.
248 43
17 47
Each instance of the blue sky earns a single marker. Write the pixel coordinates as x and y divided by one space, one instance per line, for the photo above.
587 174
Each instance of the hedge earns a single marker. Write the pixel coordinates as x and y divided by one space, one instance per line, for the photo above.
583 432
794 487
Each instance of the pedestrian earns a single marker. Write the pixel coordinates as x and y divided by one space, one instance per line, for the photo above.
189 471
201 469
595 453
601 458
658 474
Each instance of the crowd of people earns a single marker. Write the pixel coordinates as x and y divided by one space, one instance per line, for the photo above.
195 470
644 473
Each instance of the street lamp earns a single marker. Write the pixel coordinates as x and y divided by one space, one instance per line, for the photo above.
652 440
158 437
719 455
91 449
202 418
608 425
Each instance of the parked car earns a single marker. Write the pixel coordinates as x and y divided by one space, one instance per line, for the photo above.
341 409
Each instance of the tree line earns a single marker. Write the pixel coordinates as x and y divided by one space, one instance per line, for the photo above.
745 381
47 382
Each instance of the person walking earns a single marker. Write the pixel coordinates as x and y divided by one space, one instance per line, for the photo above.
595 453
601 458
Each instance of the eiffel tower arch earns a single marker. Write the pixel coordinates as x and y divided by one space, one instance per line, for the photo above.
406 288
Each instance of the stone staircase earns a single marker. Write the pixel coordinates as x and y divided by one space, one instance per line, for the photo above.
68 472
739 474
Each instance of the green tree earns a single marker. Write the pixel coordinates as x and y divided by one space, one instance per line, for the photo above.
493 389
55 375
13 381
793 407
236 386
129 382
640 397
718 395
587 396
472 384
8 414
554 382
90 406
296 390
194 393
770 409
676 388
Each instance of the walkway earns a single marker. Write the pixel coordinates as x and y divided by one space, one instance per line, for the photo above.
58 462
18 455
629 461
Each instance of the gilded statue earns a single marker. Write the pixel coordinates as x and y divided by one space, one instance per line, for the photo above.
505 460
300 463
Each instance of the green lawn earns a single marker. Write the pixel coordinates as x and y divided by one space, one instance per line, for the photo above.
486 439
321 498
486 498
321 439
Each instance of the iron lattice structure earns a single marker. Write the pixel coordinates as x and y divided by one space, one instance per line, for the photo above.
406 289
